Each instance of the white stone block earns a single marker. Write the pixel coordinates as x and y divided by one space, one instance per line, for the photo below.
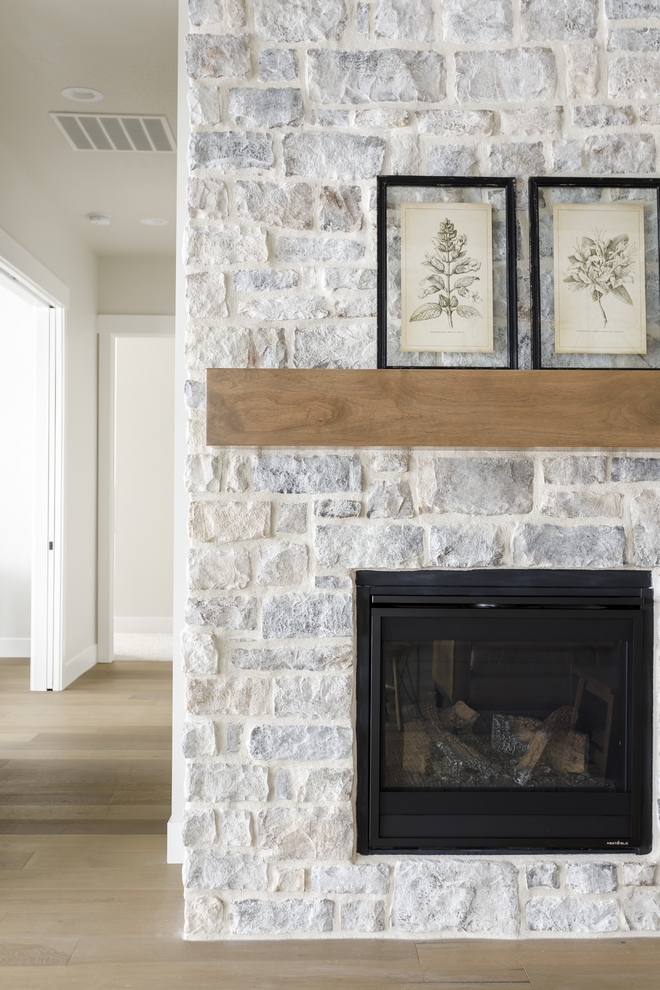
312 697
282 563
305 833
229 521
210 569
215 782
199 653
228 696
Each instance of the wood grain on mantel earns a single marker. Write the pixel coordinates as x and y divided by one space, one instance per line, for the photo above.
428 408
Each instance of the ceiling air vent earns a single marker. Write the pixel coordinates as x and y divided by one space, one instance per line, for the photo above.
115 132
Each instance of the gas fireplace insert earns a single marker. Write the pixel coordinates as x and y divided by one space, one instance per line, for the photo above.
504 710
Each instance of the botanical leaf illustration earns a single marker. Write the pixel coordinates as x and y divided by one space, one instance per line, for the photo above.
601 265
448 261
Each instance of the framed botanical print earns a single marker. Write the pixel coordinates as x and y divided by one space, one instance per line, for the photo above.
446 272
595 291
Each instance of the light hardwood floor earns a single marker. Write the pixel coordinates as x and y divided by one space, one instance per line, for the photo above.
103 911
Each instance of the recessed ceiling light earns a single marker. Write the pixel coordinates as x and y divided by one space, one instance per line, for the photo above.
81 94
100 219
154 222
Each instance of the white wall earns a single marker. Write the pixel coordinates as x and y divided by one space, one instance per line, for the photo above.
18 325
144 467
137 286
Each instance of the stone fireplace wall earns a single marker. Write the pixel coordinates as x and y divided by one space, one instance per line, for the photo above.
296 106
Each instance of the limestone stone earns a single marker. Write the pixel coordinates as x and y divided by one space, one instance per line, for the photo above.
203 106
228 696
261 917
634 40
638 874
482 486
572 505
543 875
278 64
621 10
217 55
374 546
448 123
645 516
282 563
350 278
216 347
649 113
198 828
568 469
382 117
451 159
567 156
603 116
276 205
326 785
215 869
283 785
210 569
202 473
561 20
284 308
224 244
591 878
464 22
620 153
306 833
300 742
331 581
268 347
351 879
228 13
312 697
351 346
329 118
291 518
453 895
213 782
634 77
207 198
226 522
636 469
389 500
290 880
203 916
411 19
340 209
564 546
230 149
266 107
362 916
199 653
307 615
333 155
315 249
233 735
534 120
462 546
198 739
519 159
515 75
237 478
642 910
568 914
362 18
390 461
583 71
285 658
383 76
299 20
205 295
307 475
234 827
336 508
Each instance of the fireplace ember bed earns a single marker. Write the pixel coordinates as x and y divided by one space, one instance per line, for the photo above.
504 710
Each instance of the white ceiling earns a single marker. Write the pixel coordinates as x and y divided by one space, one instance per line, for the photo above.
127 50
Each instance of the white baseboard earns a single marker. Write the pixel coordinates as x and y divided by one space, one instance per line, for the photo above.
143 624
175 847
19 647
75 666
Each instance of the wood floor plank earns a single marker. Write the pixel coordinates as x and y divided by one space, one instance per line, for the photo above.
36 951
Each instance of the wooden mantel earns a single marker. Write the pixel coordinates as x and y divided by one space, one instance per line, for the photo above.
428 408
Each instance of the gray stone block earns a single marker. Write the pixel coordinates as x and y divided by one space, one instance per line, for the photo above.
576 469
257 917
230 149
642 911
291 518
218 55
207 198
622 10
278 64
198 828
645 516
634 40
282 563
603 116
336 508
462 546
567 156
362 18
224 244
228 696
620 153
199 653
516 75
475 896
638 874
374 546
563 546
331 581
198 739
229 13
382 76
543 875
561 20
290 206
318 249
329 118
265 280
362 916
352 346
234 736
333 155
299 20
350 278
284 308
216 869
573 505
351 879
340 209
205 296
312 697
591 878
326 785
212 570
227 522
306 833
285 658
266 107
519 159
411 19
464 22
307 475
390 500
300 742
634 77
214 782
488 486
307 615
448 123
203 471
567 914
451 159
636 469
222 613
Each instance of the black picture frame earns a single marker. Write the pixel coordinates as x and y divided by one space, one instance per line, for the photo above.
508 185
536 184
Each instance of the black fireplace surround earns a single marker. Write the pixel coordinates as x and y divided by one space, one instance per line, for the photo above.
504 710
